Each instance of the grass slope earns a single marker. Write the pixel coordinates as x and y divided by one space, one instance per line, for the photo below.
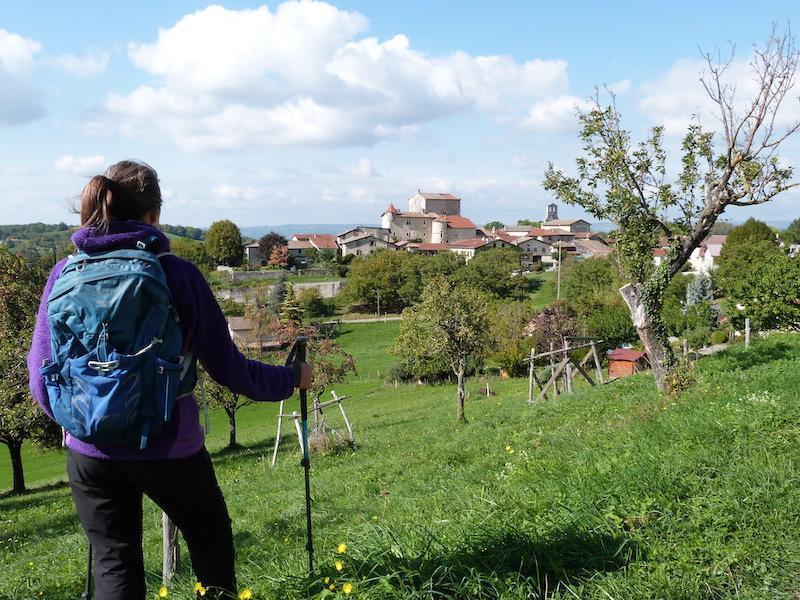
608 493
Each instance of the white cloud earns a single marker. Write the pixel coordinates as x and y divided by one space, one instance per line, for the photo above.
91 64
20 101
364 168
225 191
619 87
555 114
227 79
80 165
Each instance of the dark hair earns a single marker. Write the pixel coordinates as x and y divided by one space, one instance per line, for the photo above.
128 190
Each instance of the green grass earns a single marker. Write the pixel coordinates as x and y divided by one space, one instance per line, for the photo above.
611 492
545 293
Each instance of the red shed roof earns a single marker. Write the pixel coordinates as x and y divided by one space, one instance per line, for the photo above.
626 355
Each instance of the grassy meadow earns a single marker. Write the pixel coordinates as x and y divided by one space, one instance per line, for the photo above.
611 492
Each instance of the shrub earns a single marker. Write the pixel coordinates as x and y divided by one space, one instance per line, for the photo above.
719 337
312 303
697 337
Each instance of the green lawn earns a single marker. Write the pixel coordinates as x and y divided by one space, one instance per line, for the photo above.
611 492
545 293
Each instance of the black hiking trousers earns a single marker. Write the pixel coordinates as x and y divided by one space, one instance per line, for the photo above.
108 498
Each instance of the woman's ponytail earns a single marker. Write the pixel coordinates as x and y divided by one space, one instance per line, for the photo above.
127 191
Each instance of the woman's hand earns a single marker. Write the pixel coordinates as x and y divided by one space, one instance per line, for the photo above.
306 376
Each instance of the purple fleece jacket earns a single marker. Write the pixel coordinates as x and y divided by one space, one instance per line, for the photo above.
205 333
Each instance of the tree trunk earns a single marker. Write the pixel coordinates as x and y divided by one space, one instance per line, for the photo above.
15 449
232 428
658 351
460 394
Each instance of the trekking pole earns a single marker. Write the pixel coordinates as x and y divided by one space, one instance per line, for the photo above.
87 592
297 356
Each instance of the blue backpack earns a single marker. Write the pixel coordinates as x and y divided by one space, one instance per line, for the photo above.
117 370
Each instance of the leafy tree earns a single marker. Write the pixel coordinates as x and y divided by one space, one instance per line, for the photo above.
416 270
279 257
21 418
768 294
551 325
494 225
290 307
737 260
268 243
224 243
791 235
451 323
221 397
510 346
193 251
377 276
490 271
312 302
749 232
627 184
529 223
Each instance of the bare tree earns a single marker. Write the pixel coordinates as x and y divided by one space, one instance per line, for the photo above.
628 184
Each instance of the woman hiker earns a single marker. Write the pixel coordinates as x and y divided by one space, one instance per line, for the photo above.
120 211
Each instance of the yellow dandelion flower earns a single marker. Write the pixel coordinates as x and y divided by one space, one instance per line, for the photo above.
341 548
339 566
347 588
327 580
331 587
198 587
246 594
163 592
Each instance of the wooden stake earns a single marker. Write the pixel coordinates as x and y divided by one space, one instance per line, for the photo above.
569 367
172 549
278 435
531 375
747 332
597 366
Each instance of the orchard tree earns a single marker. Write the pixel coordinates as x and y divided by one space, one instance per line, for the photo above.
21 418
768 294
224 243
221 397
627 184
449 322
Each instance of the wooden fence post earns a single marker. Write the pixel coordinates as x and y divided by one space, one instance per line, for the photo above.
530 377
172 550
747 332
597 363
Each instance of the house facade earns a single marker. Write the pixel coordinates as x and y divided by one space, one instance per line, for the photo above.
364 245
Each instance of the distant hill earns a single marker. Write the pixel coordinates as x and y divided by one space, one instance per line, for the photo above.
256 231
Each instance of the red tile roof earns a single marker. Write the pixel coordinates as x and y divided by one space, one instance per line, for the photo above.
626 355
431 246
391 209
471 243
660 252
457 222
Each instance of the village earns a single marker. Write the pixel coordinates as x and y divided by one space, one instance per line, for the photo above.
434 223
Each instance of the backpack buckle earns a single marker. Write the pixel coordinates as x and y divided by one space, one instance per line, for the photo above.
103 367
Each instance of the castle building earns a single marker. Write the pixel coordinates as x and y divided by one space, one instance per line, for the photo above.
430 219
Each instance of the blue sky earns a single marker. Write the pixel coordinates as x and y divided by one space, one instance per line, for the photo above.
324 113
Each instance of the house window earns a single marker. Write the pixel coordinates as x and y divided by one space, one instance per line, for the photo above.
408 221
408 234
